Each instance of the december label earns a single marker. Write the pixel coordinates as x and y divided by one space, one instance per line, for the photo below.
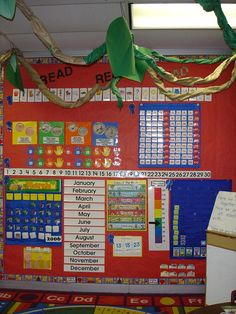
84 268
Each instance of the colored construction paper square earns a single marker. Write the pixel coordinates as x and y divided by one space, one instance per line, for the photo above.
33 197
51 133
24 132
26 196
78 133
9 196
57 197
41 197
49 197
17 196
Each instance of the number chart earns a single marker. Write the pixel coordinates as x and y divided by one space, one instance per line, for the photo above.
169 135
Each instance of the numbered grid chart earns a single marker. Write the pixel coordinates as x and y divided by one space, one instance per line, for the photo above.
169 135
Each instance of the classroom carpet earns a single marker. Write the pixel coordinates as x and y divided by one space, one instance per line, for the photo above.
39 302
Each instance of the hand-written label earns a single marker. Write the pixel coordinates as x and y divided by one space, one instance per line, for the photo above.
223 217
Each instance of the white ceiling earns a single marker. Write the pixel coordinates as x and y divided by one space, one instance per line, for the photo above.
79 26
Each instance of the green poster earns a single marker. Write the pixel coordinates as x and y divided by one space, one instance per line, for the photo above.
51 133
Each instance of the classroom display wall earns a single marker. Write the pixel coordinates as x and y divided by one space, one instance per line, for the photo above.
106 196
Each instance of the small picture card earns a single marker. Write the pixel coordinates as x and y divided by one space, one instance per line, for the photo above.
30 95
113 97
160 96
23 95
75 94
61 93
145 93
38 95
53 91
45 99
106 95
93 98
153 93
16 95
192 90
176 90
169 89
122 92
129 93
98 95
200 97
137 93
208 97
68 94
83 92
184 90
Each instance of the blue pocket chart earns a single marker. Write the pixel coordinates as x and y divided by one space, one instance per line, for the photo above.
169 135
191 205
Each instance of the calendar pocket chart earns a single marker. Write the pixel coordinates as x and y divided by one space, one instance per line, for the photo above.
34 212
169 135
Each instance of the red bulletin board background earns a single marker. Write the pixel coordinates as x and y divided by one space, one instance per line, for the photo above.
218 151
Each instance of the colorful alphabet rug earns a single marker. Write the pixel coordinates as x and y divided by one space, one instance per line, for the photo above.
39 302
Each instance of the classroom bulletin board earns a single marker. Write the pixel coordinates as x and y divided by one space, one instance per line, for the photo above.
98 194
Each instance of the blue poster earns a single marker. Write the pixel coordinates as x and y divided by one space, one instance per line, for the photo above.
191 205
169 135
33 212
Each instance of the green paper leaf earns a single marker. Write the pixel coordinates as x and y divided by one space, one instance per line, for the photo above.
13 62
8 8
14 77
120 49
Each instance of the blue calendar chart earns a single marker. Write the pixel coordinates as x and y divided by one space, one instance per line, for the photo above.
169 135
34 212
192 202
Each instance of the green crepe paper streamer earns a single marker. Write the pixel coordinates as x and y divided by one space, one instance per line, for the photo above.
116 91
159 57
8 8
13 75
96 54
208 5
149 55
150 61
120 49
228 32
